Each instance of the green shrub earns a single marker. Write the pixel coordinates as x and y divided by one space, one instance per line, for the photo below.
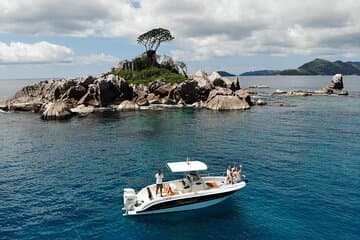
148 75
219 82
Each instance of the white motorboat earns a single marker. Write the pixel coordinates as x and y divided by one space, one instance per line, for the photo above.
192 192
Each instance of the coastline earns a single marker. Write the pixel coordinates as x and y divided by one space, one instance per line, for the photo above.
63 98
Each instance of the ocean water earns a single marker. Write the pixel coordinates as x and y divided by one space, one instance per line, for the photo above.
64 180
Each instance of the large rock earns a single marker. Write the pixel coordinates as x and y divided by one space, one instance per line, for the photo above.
74 92
190 91
113 88
31 97
102 91
86 81
47 90
161 88
231 83
195 89
107 90
221 102
203 80
57 110
224 99
91 97
140 95
156 84
336 82
245 95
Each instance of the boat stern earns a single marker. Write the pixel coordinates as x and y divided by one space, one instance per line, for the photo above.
129 199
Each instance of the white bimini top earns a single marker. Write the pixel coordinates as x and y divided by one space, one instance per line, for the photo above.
187 166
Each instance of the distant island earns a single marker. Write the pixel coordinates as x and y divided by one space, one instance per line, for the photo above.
315 67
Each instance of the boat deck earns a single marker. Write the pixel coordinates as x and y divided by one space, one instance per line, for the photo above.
179 187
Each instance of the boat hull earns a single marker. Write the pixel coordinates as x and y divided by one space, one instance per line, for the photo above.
186 204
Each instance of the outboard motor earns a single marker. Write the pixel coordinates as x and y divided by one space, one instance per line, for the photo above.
129 199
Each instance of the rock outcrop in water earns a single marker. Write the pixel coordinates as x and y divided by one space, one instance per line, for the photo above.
334 87
225 99
62 98
335 84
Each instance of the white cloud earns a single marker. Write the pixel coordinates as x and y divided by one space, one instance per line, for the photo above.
40 52
45 53
98 58
202 29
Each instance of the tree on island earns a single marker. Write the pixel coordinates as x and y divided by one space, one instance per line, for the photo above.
152 39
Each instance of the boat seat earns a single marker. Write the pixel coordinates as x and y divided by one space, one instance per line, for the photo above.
175 189
186 183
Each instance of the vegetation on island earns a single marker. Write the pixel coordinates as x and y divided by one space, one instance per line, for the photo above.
315 67
150 66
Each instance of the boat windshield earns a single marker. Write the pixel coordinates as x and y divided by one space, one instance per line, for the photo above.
193 176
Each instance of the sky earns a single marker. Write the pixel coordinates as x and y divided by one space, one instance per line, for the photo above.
51 38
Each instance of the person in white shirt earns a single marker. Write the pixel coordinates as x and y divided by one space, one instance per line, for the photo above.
159 182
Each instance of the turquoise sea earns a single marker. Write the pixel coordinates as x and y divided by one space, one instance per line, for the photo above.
64 180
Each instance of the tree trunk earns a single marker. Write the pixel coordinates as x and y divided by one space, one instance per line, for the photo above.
151 54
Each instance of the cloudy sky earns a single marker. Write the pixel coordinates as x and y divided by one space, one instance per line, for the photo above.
50 38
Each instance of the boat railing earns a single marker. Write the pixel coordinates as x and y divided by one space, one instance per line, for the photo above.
214 174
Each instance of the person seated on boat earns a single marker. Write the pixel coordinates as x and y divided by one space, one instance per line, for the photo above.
233 168
236 175
229 175
159 182
168 190
186 182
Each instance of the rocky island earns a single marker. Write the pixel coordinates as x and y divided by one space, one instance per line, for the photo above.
63 98
149 81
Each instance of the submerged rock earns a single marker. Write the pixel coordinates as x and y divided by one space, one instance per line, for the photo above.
82 109
300 93
323 91
343 93
258 86
278 91
128 106
260 102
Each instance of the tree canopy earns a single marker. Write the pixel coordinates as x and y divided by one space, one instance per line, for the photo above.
152 39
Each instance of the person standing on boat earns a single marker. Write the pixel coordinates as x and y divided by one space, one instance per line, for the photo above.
229 175
159 182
